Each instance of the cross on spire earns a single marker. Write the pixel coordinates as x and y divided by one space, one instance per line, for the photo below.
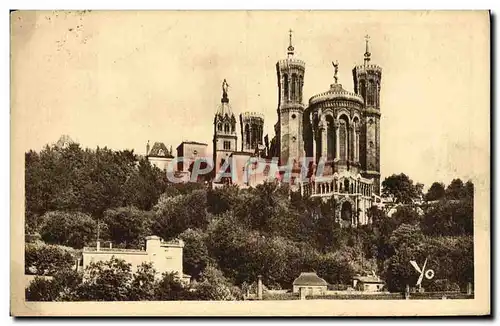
367 50
290 46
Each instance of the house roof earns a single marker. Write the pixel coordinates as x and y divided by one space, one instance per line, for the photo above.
368 279
309 278
160 150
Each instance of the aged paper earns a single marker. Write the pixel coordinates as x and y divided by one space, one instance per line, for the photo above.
364 95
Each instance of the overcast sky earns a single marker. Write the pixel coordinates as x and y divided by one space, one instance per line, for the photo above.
118 79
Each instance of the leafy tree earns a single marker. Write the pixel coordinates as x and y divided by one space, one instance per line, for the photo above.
435 192
106 281
169 288
195 254
128 225
449 218
400 188
43 259
455 190
220 200
72 229
41 289
407 243
143 284
215 286
406 215
173 215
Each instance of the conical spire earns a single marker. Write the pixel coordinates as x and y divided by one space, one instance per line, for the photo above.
367 50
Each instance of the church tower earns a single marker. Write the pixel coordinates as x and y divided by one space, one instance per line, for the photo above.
252 129
367 79
225 136
290 144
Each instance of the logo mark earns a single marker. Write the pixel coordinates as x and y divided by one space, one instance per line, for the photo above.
429 274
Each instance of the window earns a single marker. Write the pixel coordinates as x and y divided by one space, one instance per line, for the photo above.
219 126
226 127
285 85
227 145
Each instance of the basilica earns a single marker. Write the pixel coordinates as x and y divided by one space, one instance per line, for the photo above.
337 131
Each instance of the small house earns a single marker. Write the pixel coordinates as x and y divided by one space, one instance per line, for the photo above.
310 283
368 283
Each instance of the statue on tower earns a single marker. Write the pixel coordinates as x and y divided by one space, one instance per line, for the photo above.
225 87
336 70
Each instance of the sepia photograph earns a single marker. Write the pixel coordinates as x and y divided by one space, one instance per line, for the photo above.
250 163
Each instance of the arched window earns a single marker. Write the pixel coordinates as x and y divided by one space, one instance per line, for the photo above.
294 87
343 138
285 86
226 127
371 92
355 139
301 85
219 126
330 138
362 89
247 135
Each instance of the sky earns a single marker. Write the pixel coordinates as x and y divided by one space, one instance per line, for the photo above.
121 78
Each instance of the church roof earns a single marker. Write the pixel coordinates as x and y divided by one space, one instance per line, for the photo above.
309 278
224 109
64 141
336 92
160 150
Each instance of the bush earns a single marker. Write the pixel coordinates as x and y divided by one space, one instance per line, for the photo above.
72 229
41 289
43 259
443 285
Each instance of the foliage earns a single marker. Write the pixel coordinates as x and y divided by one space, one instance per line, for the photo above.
443 286
215 286
449 218
43 259
55 226
106 281
435 192
128 225
195 254
90 181
401 189
173 215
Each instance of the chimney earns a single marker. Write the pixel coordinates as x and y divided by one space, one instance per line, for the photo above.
259 287
98 246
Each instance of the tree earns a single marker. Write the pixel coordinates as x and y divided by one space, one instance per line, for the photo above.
220 200
106 281
169 288
173 215
456 190
143 286
72 229
407 242
400 188
195 254
435 192
43 259
449 219
215 286
59 288
128 225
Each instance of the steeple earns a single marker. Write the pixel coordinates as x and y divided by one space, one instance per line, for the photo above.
367 50
290 49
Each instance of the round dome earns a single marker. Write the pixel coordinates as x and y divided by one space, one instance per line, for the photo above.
336 92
